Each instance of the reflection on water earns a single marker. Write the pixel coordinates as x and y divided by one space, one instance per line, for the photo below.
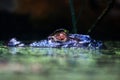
58 64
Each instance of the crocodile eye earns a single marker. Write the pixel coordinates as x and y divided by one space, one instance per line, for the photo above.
56 35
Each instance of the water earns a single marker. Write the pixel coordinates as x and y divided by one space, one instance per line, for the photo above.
27 63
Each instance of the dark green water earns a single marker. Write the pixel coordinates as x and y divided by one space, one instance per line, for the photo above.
59 64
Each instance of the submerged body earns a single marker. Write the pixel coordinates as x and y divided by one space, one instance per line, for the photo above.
61 39
76 40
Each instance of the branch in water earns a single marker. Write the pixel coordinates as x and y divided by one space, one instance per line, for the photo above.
73 16
105 11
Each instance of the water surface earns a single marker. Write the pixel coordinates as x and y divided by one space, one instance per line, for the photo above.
27 63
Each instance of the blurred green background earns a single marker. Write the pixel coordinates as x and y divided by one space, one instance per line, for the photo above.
28 63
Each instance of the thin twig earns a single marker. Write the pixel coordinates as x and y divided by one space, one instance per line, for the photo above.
73 16
105 11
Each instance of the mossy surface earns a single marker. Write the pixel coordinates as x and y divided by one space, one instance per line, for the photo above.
28 63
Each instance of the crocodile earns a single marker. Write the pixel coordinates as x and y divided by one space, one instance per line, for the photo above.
61 38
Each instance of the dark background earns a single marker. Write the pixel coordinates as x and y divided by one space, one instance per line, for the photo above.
36 19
